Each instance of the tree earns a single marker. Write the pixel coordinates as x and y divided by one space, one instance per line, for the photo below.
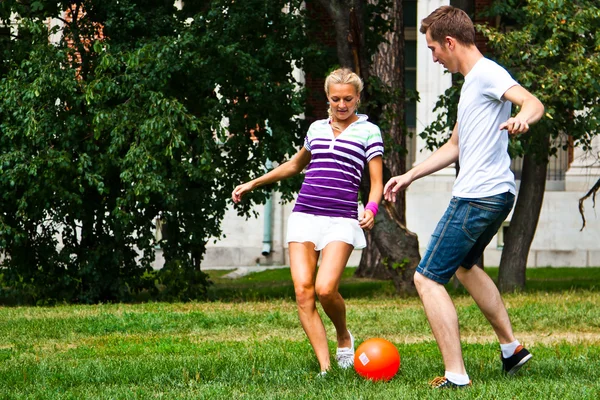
120 122
553 50
592 192
396 251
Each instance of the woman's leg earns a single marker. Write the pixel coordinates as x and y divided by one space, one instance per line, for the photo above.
303 266
335 257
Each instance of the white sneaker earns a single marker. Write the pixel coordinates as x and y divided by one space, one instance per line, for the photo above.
345 355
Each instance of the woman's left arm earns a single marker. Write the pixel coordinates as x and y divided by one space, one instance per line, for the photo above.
376 174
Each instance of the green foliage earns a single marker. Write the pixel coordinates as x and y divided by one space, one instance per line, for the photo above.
377 23
440 130
554 52
552 48
399 265
99 138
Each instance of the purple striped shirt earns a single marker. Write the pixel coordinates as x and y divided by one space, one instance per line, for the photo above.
332 179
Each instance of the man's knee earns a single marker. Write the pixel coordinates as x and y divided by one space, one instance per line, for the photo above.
462 273
421 281
424 284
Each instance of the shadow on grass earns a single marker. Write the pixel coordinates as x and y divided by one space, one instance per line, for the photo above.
277 284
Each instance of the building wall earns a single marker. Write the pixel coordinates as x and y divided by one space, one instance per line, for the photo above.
558 240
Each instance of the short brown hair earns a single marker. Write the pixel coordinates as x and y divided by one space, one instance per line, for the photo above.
449 21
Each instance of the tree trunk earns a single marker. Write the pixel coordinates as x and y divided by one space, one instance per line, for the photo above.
399 248
370 262
523 224
397 252
339 12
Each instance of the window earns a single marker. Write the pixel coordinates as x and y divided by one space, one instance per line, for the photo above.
557 165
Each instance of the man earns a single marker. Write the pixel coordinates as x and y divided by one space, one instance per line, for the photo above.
483 193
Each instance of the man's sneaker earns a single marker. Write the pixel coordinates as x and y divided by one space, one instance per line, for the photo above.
441 382
514 363
345 355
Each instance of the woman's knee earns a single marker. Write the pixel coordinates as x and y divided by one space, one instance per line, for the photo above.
305 294
326 292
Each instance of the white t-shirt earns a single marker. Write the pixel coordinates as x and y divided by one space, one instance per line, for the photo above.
483 148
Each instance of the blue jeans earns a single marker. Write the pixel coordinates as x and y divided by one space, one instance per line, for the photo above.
462 234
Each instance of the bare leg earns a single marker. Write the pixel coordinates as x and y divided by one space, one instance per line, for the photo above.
303 266
443 320
335 257
486 295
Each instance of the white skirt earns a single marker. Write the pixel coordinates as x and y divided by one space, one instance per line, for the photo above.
322 230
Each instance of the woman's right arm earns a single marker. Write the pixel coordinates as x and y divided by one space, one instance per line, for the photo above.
285 170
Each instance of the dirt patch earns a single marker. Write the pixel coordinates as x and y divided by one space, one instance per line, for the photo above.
529 339
296 335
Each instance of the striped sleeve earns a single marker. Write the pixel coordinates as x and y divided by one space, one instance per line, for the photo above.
306 143
307 138
374 144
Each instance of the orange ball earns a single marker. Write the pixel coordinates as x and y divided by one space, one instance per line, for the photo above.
377 359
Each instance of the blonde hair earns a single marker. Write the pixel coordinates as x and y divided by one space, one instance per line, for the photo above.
343 76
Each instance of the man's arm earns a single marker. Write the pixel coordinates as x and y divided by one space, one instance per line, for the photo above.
441 158
531 110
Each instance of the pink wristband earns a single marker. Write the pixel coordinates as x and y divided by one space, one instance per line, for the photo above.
373 207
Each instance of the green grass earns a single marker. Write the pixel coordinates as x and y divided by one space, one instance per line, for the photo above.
241 348
277 283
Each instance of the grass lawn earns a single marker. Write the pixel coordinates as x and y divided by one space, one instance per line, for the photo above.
249 344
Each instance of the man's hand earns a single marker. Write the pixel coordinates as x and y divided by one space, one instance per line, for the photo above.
395 184
515 125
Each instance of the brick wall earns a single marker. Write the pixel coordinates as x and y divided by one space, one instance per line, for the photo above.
480 41
86 40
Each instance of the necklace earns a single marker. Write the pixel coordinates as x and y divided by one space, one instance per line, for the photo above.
336 126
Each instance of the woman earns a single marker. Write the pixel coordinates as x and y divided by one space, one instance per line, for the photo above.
325 216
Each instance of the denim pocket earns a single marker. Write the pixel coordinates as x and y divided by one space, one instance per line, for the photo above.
480 215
